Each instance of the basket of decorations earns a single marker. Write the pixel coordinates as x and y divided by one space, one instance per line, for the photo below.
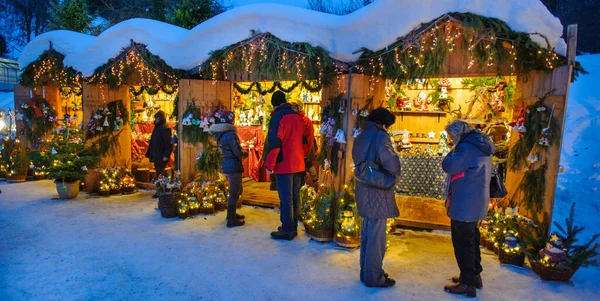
319 213
183 208
511 251
558 257
103 189
483 232
210 192
168 191
348 223
127 183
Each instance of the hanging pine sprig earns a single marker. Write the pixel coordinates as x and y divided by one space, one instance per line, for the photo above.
533 187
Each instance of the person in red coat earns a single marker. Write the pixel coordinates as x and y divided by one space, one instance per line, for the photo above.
286 140
311 147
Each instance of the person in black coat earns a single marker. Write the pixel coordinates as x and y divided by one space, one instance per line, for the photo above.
160 147
225 133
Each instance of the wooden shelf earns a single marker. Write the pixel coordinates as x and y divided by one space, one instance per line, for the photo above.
424 140
437 114
420 113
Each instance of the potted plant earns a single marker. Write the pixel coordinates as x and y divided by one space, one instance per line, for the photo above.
347 222
70 163
558 257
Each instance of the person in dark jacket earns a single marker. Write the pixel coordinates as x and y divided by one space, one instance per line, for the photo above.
311 147
375 205
160 147
225 133
285 158
469 166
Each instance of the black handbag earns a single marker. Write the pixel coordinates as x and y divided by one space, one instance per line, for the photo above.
372 174
497 188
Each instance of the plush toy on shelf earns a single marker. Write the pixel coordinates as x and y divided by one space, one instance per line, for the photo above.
422 102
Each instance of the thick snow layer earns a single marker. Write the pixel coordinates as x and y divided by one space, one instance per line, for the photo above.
7 100
119 248
580 155
375 26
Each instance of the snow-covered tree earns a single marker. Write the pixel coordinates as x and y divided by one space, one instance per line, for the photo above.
70 15
189 13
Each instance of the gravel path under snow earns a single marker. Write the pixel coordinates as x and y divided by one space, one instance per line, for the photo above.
119 248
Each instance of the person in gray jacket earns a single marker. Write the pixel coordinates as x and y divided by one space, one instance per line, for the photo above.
375 205
225 133
469 166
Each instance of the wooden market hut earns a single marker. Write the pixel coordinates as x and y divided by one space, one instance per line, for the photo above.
48 79
132 80
238 69
412 62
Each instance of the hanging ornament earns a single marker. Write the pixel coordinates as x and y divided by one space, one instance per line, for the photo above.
532 158
116 127
340 136
53 151
105 121
355 132
84 168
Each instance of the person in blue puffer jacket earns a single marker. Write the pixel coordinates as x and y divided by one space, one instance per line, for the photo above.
225 133
469 166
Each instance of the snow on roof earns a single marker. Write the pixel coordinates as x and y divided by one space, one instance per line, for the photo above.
374 27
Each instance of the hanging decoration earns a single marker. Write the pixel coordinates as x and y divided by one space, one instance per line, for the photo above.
107 119
39 118
263 55
135 61
397 99
208 163
491 95
195 124
332 121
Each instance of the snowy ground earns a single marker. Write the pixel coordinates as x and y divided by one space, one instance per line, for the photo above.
580 155
120 248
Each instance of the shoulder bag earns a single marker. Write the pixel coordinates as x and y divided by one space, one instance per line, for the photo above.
497 188
372 174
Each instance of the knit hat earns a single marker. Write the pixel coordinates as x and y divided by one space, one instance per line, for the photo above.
278 98
225 116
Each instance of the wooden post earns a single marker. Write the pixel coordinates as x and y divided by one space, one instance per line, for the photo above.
571 53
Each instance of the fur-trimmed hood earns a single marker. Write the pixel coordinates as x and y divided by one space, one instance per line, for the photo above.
221 128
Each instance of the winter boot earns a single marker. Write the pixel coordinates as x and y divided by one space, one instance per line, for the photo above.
282 235
239 216
232 221
478 281
295 232
461 289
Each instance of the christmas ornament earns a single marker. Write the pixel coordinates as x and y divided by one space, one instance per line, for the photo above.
340 136
54 152
532 158
405 142
105 122
355 132
431 135
84 168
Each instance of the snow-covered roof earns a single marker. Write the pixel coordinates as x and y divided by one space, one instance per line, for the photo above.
373 27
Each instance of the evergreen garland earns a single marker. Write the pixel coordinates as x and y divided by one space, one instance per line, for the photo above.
265 56
487 42
158 73
256 86
49 70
